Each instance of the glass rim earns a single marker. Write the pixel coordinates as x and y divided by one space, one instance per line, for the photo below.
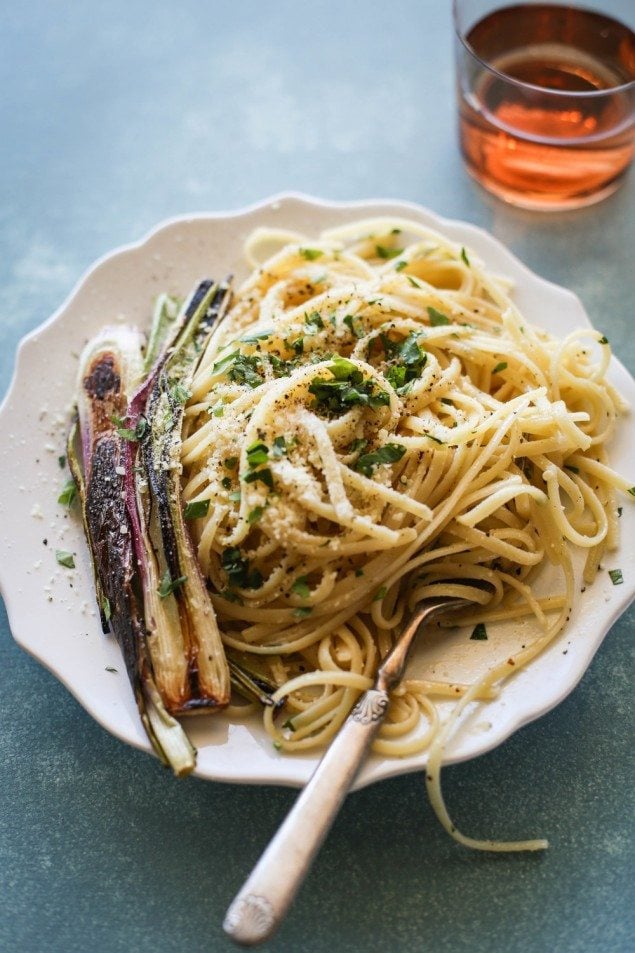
545 91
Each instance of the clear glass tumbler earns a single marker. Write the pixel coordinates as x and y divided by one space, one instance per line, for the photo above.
546 98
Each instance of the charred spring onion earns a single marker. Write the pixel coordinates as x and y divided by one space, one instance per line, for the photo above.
124 454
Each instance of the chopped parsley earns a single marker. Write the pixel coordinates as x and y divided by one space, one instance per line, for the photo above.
301 587
196 509
413 281
314 320
238 571
244 370
389 453
303 612
349 321
401 265
257 454
225 362
106 611
346 388
231 463
279 447
128 433
502 366
437 318
357 445
255 514
479 633
179 394
169 585
62 461
387 253
65 558
254 338
379 595
410 363
464 257
617 577
603 340
68 494
311 254
263 476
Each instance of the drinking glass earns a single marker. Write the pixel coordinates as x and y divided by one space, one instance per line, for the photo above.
546 98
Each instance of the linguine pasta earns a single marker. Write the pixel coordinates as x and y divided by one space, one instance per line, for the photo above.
375 422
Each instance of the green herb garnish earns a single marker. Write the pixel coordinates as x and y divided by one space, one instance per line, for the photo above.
437 318
179 394
301 587
617 577
502 366
346 388
389 453
169 585
479 633
244 370
464 257
311 253
196 509
263 476
349 321
65 558
255 514
238 571
257 454
387 253
68 494
314 320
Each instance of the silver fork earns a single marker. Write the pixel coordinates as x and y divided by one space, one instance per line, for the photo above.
260 906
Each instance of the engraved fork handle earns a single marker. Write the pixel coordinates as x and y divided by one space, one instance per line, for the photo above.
260 906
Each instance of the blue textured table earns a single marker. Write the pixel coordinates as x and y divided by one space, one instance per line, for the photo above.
113 117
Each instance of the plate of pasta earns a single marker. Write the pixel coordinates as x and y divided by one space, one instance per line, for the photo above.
378 405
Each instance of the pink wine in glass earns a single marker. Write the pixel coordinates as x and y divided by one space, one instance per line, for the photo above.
546 104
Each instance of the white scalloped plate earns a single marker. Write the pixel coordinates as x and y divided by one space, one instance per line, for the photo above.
51 609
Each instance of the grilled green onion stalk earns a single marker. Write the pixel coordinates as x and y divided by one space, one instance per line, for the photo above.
110 368
149 586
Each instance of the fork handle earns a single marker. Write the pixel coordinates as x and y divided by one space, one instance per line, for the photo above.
260 906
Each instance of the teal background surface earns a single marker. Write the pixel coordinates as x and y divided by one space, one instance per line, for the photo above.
113 117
